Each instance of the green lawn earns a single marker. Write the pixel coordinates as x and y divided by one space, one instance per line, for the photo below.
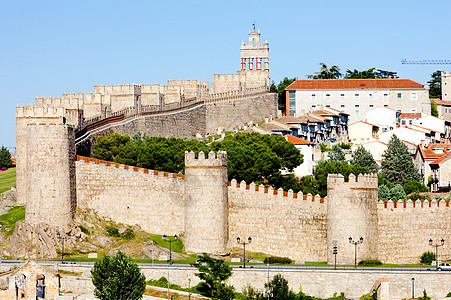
10 219
7 179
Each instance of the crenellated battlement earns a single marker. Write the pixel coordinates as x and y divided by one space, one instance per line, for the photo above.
261 189
129 168
35 111
363 181
413 204
212 159
118 89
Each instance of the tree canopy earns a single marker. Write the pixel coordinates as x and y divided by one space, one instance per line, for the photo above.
397 165
371 73
5 158
252 157
363 158
213 272
337 154
326 73
117 278
435 85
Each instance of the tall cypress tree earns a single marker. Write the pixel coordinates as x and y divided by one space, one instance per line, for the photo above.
397 165
5 158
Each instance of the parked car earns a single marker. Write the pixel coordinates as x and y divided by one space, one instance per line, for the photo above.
444 266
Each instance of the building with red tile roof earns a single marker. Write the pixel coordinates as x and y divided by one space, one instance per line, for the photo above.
356 96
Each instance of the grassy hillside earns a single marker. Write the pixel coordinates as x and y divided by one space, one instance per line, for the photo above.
7 179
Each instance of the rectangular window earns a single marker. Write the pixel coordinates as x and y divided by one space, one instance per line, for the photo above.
370 95
385 105
327 105
356 105
342 105
413 110
357 112
313 96
327 95
342 96
371 105
403 122
291 103
413 96
399 95
356 96
313 105
385 96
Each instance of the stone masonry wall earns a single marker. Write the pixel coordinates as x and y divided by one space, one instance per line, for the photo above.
231 114
151 199
406 227
279 223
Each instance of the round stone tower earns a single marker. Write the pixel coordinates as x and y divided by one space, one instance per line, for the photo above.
351 212
206 210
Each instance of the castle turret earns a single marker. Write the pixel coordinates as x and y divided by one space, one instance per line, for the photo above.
352 212
206 209
46 178
254 55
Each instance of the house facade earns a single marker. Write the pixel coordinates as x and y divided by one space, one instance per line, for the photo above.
356 96
362 132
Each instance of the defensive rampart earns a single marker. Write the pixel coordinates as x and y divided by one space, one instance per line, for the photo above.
281 223
405 229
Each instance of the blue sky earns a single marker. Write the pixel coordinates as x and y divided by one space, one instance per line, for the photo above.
51 47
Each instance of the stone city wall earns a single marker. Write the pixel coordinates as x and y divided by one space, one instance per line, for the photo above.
230 114
130 195
405 229
280 223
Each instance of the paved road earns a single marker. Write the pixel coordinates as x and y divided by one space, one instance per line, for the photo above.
248 267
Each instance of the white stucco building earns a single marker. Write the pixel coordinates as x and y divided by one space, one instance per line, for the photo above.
306 149
383 117
356 96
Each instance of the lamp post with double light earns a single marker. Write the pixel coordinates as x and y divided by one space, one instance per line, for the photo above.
63 239
167 239
249 240
355 243
442 242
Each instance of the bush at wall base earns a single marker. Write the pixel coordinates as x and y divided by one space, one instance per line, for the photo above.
427 257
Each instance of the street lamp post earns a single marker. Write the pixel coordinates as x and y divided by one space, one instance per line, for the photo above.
189 288
167 239
355 243
62 239
413 288
249 240
436 250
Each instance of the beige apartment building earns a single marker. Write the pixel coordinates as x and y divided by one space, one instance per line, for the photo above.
356 96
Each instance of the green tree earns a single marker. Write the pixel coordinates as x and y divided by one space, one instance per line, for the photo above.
337 154
327 73
5 158
434 110
397 193
435 85
412 186
213 272
369 74
117 277
280 90
397 165
364 158
427 257
383 193
279 289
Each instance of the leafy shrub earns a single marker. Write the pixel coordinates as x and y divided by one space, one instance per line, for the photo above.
383 193
370 262
84 229
112 231
277 260
344 145
128 234
425 296
414 186
427 257
417 196
448 295
397 193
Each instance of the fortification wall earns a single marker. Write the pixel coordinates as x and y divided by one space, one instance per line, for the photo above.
151 199
230 114
352 212
406 227
244 79
280 223
185 124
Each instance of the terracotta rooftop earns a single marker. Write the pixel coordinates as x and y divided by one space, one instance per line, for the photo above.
410 115
441 159
295 140
363 123
290 120
272 127
428 153
442 102
353 84
322 112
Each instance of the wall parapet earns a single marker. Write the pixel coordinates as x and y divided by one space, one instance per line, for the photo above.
413 204
130 168
261 189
